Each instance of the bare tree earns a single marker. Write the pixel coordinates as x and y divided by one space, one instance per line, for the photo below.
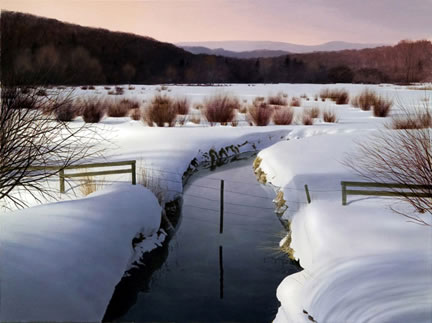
31 138
401 154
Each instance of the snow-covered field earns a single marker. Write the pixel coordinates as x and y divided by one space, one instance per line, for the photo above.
362 262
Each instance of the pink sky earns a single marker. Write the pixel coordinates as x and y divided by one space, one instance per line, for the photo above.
296 21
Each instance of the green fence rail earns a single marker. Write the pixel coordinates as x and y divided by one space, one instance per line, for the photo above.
63 171
405 190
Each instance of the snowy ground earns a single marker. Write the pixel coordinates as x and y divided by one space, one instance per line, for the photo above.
166 153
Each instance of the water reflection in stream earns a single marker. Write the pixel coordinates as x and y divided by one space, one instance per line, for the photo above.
205 276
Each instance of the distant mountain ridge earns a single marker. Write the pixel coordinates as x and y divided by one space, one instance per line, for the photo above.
227 53
250 46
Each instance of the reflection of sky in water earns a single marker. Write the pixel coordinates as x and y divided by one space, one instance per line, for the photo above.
187 287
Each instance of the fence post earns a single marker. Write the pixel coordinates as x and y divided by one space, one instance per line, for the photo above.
221 206
62 181
221 273
307 194
133 172
344 196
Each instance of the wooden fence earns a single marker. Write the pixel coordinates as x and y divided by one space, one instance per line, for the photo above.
405 190
63 171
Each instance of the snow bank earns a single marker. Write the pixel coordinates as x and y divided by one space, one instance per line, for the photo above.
362 262
61 261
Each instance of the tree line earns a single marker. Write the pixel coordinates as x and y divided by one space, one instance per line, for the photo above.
38 50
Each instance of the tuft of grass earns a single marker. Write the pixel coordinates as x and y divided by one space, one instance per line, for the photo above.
84 87
278 99
382 107
91 87
330 116
260 114
221 108
88 185
93 109
283 116
107 87
160 111
182 105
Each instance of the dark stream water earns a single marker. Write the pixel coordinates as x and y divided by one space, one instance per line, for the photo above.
201 275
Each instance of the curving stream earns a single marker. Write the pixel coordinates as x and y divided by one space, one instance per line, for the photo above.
201 275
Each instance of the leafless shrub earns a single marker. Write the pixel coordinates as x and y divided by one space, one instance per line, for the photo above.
304 96
107 87
403 157
30 141
221 108
131 88
182 105
382 107
295 102
278 99
160 111
93 109
330 116
260 114
91 87
118 91
84 87
283 116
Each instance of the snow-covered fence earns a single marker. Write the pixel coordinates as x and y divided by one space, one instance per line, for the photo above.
402 190
63 175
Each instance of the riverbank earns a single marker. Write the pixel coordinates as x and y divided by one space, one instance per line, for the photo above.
362 262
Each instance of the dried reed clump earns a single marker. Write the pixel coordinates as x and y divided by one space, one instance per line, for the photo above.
278 99
365 100
260 114
93 109
221 108
339 96
381 107
182 105
306 119
66 112
160 111
118 109
135 114
330 116
283 116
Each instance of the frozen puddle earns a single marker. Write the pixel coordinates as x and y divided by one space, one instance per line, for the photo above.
202 275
